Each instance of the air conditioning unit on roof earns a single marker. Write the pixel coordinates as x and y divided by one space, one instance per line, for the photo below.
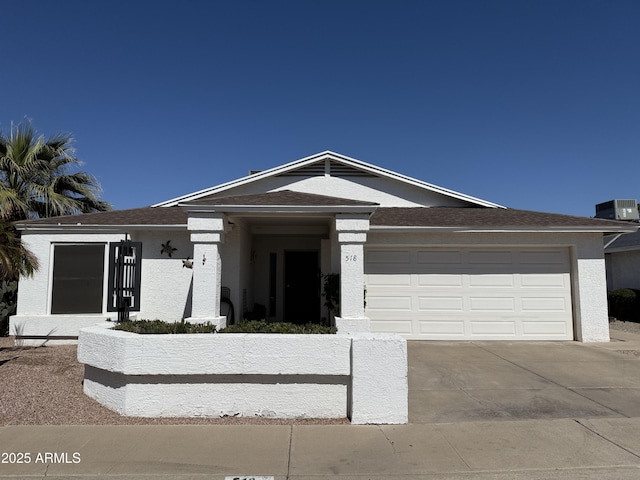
618 210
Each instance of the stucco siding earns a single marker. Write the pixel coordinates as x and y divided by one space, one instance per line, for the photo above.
231 255
33 291
386 192
590 289
165 283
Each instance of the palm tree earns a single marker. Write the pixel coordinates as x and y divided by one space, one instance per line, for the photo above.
36 178
15 259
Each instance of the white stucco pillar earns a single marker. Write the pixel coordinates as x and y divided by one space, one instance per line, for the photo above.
207 233
351 230
590 287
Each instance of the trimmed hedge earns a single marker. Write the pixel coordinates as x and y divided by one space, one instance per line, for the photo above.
260 326
624 304
160 327
253 326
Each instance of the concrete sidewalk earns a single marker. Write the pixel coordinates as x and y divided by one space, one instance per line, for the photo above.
535 449
549 411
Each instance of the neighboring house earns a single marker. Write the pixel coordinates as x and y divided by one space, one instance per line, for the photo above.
622 256
413 258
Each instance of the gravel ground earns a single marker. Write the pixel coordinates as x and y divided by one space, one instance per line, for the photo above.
43 386
631 327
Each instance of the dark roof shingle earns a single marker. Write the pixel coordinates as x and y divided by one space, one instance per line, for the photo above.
282 197
482 217
134 216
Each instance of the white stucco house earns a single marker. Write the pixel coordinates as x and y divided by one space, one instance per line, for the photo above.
413 258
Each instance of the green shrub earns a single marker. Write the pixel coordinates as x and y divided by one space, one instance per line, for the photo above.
331 291
8 300
252 326
624 304
260 326
160 327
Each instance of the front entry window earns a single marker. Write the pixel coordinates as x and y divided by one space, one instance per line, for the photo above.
78 276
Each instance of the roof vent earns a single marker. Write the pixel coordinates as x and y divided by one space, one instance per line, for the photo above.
618 210
253 172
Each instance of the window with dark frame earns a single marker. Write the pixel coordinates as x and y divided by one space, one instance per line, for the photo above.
78 279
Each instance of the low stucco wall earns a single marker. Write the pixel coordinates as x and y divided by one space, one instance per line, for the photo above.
283 376
51 330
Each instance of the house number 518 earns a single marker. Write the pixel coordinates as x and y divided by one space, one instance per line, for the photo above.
351 258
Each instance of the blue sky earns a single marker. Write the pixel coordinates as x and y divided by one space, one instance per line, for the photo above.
529 104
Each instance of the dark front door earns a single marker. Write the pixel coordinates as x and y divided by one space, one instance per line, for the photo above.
301 287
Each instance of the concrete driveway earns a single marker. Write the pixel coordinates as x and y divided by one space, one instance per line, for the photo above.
489 381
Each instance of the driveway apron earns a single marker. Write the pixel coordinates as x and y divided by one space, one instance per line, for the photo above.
476 381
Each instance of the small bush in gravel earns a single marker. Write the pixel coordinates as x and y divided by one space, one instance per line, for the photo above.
8 299
255 326
624 304
160 327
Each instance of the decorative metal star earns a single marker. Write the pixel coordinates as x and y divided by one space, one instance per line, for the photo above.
167 248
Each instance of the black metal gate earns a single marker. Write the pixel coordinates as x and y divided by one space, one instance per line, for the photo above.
124 278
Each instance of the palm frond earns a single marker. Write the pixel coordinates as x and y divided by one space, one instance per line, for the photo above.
15 259
41 173
38 178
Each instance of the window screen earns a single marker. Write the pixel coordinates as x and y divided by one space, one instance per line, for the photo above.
78 276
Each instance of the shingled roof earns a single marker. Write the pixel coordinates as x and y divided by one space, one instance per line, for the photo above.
172 216
281 197
487 218
419 217
136 216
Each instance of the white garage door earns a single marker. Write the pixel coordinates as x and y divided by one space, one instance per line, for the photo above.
467 293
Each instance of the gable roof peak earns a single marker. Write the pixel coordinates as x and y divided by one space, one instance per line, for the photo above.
353 165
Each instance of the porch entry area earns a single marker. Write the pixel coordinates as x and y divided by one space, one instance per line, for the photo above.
273 263
285 274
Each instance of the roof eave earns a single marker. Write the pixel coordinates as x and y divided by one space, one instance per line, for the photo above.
630 248
475 229
81 227
280 208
